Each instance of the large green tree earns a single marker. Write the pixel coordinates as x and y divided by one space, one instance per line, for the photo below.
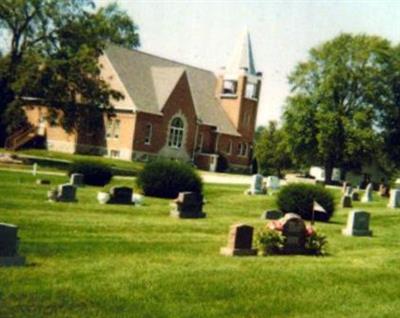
337 96
51 52
271 150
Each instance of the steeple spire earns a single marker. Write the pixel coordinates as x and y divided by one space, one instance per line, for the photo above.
242 58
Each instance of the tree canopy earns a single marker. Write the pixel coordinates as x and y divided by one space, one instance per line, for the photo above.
338 98
51 52
271 150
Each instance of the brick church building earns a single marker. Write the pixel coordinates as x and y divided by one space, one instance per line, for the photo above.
169 110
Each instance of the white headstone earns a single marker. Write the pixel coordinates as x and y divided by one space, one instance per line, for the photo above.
367 197
34 169
357 224
77 179
273 182
394 200
256 186
348 191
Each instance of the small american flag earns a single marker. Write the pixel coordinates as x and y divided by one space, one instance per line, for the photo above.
318 208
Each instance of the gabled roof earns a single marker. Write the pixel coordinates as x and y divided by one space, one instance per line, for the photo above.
149 80
165 80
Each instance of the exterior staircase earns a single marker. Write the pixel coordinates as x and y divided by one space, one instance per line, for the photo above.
20 137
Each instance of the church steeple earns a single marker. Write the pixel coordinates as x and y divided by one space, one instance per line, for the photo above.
242 58
239 87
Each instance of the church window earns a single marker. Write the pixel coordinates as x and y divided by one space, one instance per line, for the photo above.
229 147
149 134
240 146
113 128
176 131
251 91
244 149
200 142
230 87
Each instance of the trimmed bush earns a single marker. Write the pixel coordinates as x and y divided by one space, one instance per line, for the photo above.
166 178
299 198
96 174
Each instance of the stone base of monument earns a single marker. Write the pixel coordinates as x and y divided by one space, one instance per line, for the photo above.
43 181
187 214
354 232
255 192
227 251
12 260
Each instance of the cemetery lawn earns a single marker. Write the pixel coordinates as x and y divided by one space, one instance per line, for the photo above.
90 260
59 161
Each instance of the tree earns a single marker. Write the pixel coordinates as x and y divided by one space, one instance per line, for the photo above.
53 53
271 151
331 116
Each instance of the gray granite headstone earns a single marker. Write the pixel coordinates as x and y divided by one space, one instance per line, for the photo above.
121 195
9 246
256 185
240 241
346 201
77 179
367 197
188 205
357 224
271 215
394 200
294 233
66 193
348 191
43 181
355 195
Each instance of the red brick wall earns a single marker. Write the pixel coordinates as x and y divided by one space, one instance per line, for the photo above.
179 103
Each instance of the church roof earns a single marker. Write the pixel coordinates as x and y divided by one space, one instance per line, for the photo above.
149 81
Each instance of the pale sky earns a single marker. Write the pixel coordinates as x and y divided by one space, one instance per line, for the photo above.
204 33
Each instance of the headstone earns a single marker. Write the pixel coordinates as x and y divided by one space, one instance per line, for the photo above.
394 200
66 193
103 197
9 246
121 195
240 241
43 181
77 179
346 201
294 232
188 205
355 195
271 215
34 169
367 197
384 190
348 191
344 186
138 198
357 224
273 182
256 186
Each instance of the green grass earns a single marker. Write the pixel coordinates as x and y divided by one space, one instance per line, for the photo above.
58 161
90 260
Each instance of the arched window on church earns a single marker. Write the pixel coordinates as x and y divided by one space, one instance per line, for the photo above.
176 131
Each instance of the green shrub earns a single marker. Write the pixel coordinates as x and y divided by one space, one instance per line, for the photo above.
299 198
166 178
269 241
316 243
96 174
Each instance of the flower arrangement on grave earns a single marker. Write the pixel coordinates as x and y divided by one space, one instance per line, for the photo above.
271 239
